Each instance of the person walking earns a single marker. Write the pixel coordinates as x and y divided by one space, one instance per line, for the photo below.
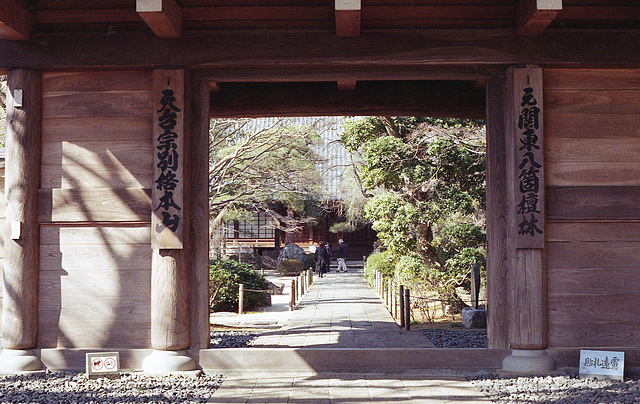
328 248
322 260
342 256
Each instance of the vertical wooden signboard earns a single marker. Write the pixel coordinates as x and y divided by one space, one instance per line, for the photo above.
528 163
168 140
526 241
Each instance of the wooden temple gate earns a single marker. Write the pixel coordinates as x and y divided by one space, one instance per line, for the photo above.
107 157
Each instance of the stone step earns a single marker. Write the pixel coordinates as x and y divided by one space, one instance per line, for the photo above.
323 360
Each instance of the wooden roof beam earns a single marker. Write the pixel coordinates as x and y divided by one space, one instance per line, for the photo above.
164 17
348 17
534 16
16 22
346 85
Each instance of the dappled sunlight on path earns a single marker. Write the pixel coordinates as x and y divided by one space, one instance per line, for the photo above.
347 388
341 311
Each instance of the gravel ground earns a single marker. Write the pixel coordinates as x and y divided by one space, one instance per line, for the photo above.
558 389
232 339
457 339
499 389
440 338
71 387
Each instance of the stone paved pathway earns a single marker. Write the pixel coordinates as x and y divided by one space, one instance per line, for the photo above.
340 311
348 388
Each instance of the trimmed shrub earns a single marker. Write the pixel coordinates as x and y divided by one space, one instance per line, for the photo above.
382 262
290 267
224 278
309 262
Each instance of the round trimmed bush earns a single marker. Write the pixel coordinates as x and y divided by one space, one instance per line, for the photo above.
225 276
290 267
309 262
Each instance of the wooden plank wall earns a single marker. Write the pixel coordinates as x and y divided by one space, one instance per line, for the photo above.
592 152
94 210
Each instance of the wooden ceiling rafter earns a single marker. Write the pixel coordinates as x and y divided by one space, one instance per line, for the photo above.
16 23
376 55
346 85
348 16
164 17
421 98
112 15
534 16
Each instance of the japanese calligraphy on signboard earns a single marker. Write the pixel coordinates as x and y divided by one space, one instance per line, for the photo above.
529 173
168 140
601 364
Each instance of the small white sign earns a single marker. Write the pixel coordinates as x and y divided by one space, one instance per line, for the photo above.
17 98
103 364
602 364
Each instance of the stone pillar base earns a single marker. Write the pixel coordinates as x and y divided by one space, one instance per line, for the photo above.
168 362
18 360
528 361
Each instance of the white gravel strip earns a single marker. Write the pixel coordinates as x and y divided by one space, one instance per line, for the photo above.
558 389
232 339
71 387
457 339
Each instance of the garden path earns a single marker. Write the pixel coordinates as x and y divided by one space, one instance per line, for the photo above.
341 311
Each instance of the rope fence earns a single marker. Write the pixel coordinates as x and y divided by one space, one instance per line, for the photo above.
397 298
299 286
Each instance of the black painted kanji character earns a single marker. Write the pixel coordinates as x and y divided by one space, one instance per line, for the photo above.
529 226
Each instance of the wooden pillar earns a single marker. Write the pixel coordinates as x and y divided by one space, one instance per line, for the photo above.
21 231
526 221
170 280
497 221
198 203
169 301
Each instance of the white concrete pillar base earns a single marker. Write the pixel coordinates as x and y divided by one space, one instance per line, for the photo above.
168 362
528 361
18 360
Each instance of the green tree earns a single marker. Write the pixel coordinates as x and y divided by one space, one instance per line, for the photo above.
426 179
269 168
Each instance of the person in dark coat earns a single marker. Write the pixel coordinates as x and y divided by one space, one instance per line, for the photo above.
328 248
322 260
342 256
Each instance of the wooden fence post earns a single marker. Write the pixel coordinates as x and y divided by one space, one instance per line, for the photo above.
241 298
297 289
302 284
407 310
292 301
306 281
475 285
386 293
402 313
394 302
